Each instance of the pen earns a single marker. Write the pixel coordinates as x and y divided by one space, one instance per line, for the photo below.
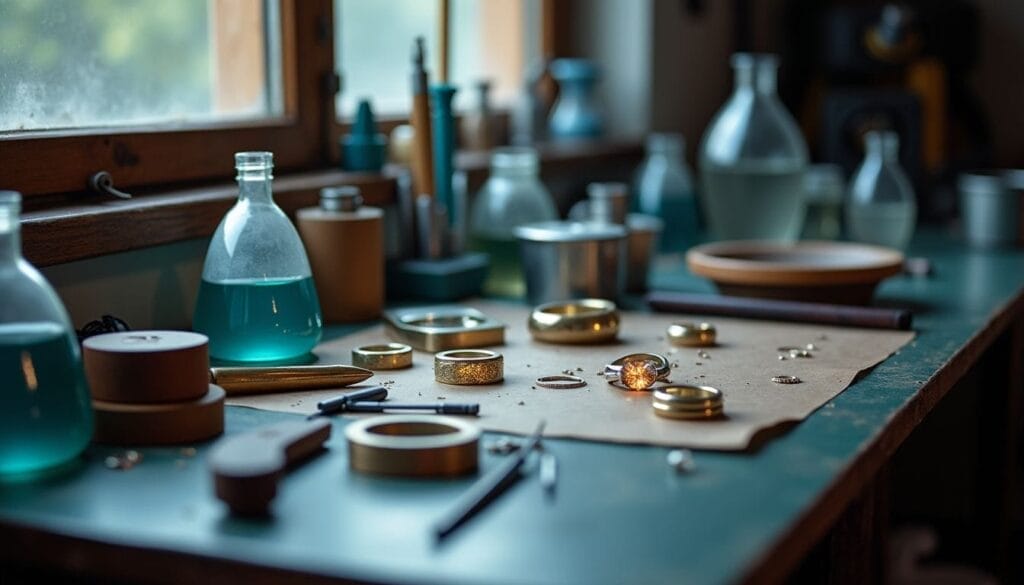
487 488
438 407
340 403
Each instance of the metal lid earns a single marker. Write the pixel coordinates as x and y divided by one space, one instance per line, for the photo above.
340 198
981 181
642 222
569 231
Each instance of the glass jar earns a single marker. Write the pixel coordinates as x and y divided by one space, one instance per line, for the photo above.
257 301
512 196
881 208
575 114
46 419
752 159
664 188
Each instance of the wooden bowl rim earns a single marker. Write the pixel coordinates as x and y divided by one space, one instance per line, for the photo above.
715 261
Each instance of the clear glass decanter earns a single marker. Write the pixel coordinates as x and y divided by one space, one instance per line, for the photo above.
46 414
752 159
664 188
512 196
881 208
257 301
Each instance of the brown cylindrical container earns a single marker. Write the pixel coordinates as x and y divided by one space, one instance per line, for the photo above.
147 367
345 245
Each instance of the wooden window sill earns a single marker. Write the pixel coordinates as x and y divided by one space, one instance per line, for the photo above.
76 232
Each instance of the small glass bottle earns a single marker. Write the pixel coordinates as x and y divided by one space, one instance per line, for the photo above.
512 196
881 208
46 419
752 159
664 188
575 114
257 301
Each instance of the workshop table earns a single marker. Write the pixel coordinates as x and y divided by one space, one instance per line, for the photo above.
620 514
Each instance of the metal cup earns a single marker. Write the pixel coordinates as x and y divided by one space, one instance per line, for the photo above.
572 260
989 209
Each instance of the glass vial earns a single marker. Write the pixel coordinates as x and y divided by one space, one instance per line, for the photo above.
512 196
880 207
46 419
752 159
664 188
576 114
257 301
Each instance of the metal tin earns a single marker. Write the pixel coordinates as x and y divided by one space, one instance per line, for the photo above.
444 327
571 260
989 209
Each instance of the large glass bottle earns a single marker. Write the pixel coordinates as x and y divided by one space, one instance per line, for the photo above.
512 196
664 188
45 412
752 159
257 302
881 208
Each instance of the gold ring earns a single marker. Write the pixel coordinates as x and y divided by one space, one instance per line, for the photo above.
613 371
413 445
561 382
683 401
469 367
691 334
387 356
581 321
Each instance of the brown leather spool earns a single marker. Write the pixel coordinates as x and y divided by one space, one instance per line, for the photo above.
147 367
160 424
346 253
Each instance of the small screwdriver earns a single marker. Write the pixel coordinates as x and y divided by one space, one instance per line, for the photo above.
339 403
438 407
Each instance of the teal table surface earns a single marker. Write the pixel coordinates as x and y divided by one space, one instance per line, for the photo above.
620 514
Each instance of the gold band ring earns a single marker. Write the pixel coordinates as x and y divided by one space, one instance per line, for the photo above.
387 356
692 334
561 382
683 401
469 367
580 321
413 445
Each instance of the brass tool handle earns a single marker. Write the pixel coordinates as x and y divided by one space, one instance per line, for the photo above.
238 381
422 153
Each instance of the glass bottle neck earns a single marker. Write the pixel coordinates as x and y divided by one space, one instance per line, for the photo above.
10 232
253 188
756 73
884 145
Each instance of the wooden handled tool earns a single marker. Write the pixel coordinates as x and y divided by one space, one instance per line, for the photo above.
247 467
422 153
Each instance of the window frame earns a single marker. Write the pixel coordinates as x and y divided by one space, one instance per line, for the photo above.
39 163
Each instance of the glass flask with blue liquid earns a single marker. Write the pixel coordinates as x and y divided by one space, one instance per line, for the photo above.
257 301
45 410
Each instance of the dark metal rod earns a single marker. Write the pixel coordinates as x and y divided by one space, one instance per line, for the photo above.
339 403
438 407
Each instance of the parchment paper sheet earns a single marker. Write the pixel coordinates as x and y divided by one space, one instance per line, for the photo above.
741 366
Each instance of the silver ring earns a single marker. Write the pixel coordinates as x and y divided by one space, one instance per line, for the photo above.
561 382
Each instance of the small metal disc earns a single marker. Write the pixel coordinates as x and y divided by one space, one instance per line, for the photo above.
786 379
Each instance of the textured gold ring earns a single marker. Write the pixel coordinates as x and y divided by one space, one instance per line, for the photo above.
387 356
683 401
692 334
580 321
469 367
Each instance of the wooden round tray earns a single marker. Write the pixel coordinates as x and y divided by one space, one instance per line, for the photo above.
824 272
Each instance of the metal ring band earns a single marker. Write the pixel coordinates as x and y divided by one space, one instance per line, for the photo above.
469 367
561 382
413 445
692 334
611 371
387 356
579 321
686 401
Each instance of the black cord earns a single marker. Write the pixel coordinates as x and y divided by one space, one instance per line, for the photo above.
105 324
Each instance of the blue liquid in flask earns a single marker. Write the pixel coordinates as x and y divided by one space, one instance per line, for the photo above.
256 320
46 415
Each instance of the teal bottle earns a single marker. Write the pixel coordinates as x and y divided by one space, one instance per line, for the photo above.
257 302
45 410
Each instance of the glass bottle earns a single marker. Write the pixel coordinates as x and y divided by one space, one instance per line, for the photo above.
881 208
257 301
575 114
752 159
664 188
46 414
512 196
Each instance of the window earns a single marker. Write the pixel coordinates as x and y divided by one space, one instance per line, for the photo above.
73 64
490 39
